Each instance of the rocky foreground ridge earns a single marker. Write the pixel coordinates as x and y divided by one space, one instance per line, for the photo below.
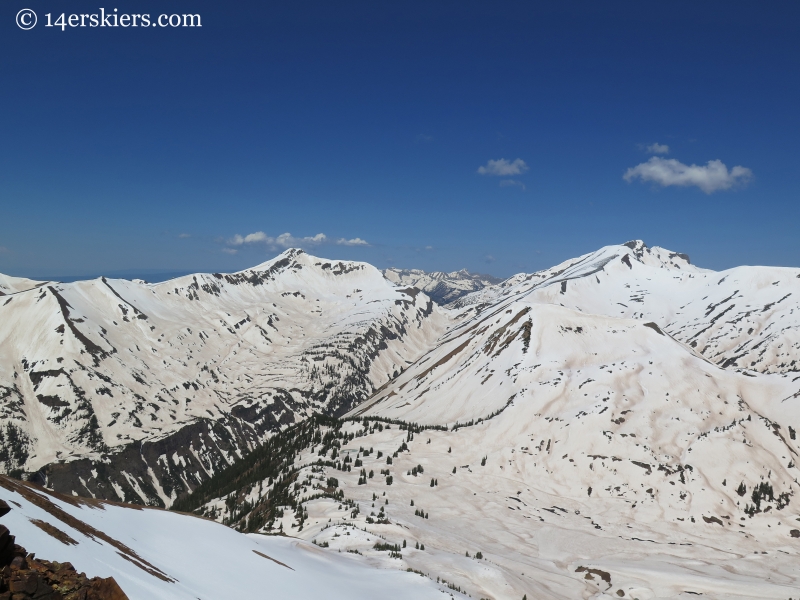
25 577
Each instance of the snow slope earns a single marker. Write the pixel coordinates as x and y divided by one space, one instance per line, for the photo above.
746 317
106 367
443 288
155 554
13 285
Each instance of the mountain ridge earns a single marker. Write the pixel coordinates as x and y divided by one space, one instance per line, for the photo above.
91 370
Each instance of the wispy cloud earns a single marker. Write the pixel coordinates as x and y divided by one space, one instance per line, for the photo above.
712 177
4 249
184 235
503 167
424 139
657 148
512 182
353 242
227 250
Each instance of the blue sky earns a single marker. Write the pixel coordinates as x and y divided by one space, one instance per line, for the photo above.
146 151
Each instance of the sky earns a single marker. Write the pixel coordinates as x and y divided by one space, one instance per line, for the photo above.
498 136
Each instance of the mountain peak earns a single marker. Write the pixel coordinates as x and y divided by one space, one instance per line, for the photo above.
287 255
640 249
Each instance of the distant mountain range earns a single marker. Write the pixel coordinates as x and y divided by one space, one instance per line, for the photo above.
623 424
442 288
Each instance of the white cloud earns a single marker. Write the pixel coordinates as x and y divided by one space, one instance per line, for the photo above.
251 238
230 250
658 148
510 182
284 240
503 167
258 236
184 235
287 240
713 177
353 242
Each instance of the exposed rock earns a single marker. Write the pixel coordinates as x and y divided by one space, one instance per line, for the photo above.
23 576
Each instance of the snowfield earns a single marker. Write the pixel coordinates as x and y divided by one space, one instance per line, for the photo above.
155 554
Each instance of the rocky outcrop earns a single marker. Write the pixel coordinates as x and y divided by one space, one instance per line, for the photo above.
23 576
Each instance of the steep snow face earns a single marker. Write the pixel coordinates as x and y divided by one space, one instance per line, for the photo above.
527 350
96 365
443 288
742 318
154 554
13 285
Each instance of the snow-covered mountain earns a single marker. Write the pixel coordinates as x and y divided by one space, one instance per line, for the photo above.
746 317
148 388
621 425
584 429
442 288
